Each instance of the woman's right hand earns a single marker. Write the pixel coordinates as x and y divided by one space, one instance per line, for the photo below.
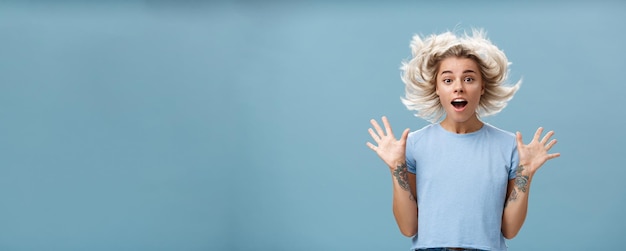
388 148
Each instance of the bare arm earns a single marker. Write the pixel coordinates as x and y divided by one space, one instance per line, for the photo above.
532 157
392 152
516 204
404 202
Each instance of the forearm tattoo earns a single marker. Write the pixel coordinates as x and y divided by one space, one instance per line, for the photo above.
521 181
512 197
402 176
521 184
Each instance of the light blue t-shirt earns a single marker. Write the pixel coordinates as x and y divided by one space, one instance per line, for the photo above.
461 182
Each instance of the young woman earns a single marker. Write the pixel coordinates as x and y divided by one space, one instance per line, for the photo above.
459 183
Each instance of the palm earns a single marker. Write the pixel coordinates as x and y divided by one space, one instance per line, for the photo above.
388 148
535 154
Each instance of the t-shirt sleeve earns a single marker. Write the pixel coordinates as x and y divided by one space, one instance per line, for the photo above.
514 162
410 159
410 163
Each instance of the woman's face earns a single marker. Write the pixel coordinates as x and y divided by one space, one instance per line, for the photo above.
459 87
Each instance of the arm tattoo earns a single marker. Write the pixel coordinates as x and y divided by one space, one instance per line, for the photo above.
521 181
512 197
402 176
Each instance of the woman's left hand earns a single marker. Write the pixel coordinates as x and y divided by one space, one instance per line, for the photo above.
535 154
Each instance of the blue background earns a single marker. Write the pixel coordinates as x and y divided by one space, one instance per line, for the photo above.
241 125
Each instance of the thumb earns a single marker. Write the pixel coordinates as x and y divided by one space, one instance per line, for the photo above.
405 134
518 139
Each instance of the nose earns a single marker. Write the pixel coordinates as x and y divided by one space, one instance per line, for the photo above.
458 87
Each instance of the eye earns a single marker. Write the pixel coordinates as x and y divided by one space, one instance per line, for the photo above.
447 81
469 80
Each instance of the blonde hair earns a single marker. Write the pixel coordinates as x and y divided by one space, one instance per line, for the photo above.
420 73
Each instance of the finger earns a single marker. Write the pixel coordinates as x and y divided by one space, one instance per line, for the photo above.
553 155
538 134
374 136
547 137
377 127
550 145
387 126
371 146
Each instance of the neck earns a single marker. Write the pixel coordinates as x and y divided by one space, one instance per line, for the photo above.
471 125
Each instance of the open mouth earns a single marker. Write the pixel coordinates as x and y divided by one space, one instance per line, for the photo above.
459 103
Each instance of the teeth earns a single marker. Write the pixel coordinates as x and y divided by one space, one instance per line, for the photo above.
458 100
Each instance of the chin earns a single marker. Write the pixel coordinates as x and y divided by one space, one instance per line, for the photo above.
461 118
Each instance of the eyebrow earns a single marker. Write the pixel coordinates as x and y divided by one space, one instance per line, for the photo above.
466 71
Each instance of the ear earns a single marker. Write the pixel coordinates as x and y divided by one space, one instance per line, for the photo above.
482 90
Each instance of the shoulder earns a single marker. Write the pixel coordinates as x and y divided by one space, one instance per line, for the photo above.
499 135
492 130
426 130
421 134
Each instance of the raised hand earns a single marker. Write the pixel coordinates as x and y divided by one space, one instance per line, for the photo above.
388 148
535 154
